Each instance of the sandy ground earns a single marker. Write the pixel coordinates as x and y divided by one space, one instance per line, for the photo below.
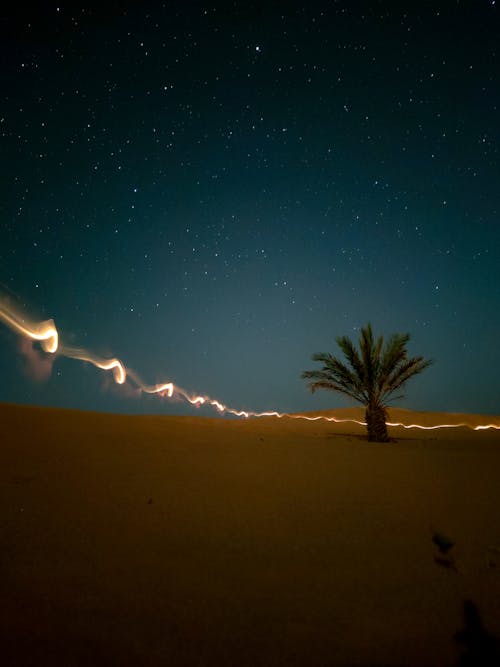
191 541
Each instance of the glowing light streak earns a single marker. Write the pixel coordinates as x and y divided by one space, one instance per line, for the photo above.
480 427
47 335
44 332
165 389
115 365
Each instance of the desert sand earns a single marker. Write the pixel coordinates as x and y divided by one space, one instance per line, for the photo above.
130 540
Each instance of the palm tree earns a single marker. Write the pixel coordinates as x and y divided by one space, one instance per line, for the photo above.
373 375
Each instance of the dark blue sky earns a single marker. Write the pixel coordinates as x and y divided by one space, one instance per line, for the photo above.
214 192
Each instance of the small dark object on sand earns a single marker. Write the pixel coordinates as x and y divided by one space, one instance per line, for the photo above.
443 543
446 561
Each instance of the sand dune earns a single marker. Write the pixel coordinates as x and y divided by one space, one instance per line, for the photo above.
196 541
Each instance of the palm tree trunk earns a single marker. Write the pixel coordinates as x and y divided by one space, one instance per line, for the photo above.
375 423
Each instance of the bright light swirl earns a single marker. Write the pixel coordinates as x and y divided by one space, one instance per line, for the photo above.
115 365
46 333
162 389
165 389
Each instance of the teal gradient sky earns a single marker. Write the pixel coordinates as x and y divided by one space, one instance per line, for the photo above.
212 195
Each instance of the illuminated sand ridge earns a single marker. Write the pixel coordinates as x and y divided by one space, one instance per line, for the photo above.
47 335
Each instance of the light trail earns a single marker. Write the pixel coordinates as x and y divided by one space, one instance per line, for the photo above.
481 427
44 332
115 365
48 337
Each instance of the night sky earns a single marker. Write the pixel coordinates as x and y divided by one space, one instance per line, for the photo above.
211 192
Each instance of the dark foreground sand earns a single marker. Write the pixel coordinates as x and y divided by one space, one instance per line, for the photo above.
190 541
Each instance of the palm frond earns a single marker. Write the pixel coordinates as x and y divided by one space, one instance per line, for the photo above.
403 372
336 373
333 386
394 352
370 353
352 356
